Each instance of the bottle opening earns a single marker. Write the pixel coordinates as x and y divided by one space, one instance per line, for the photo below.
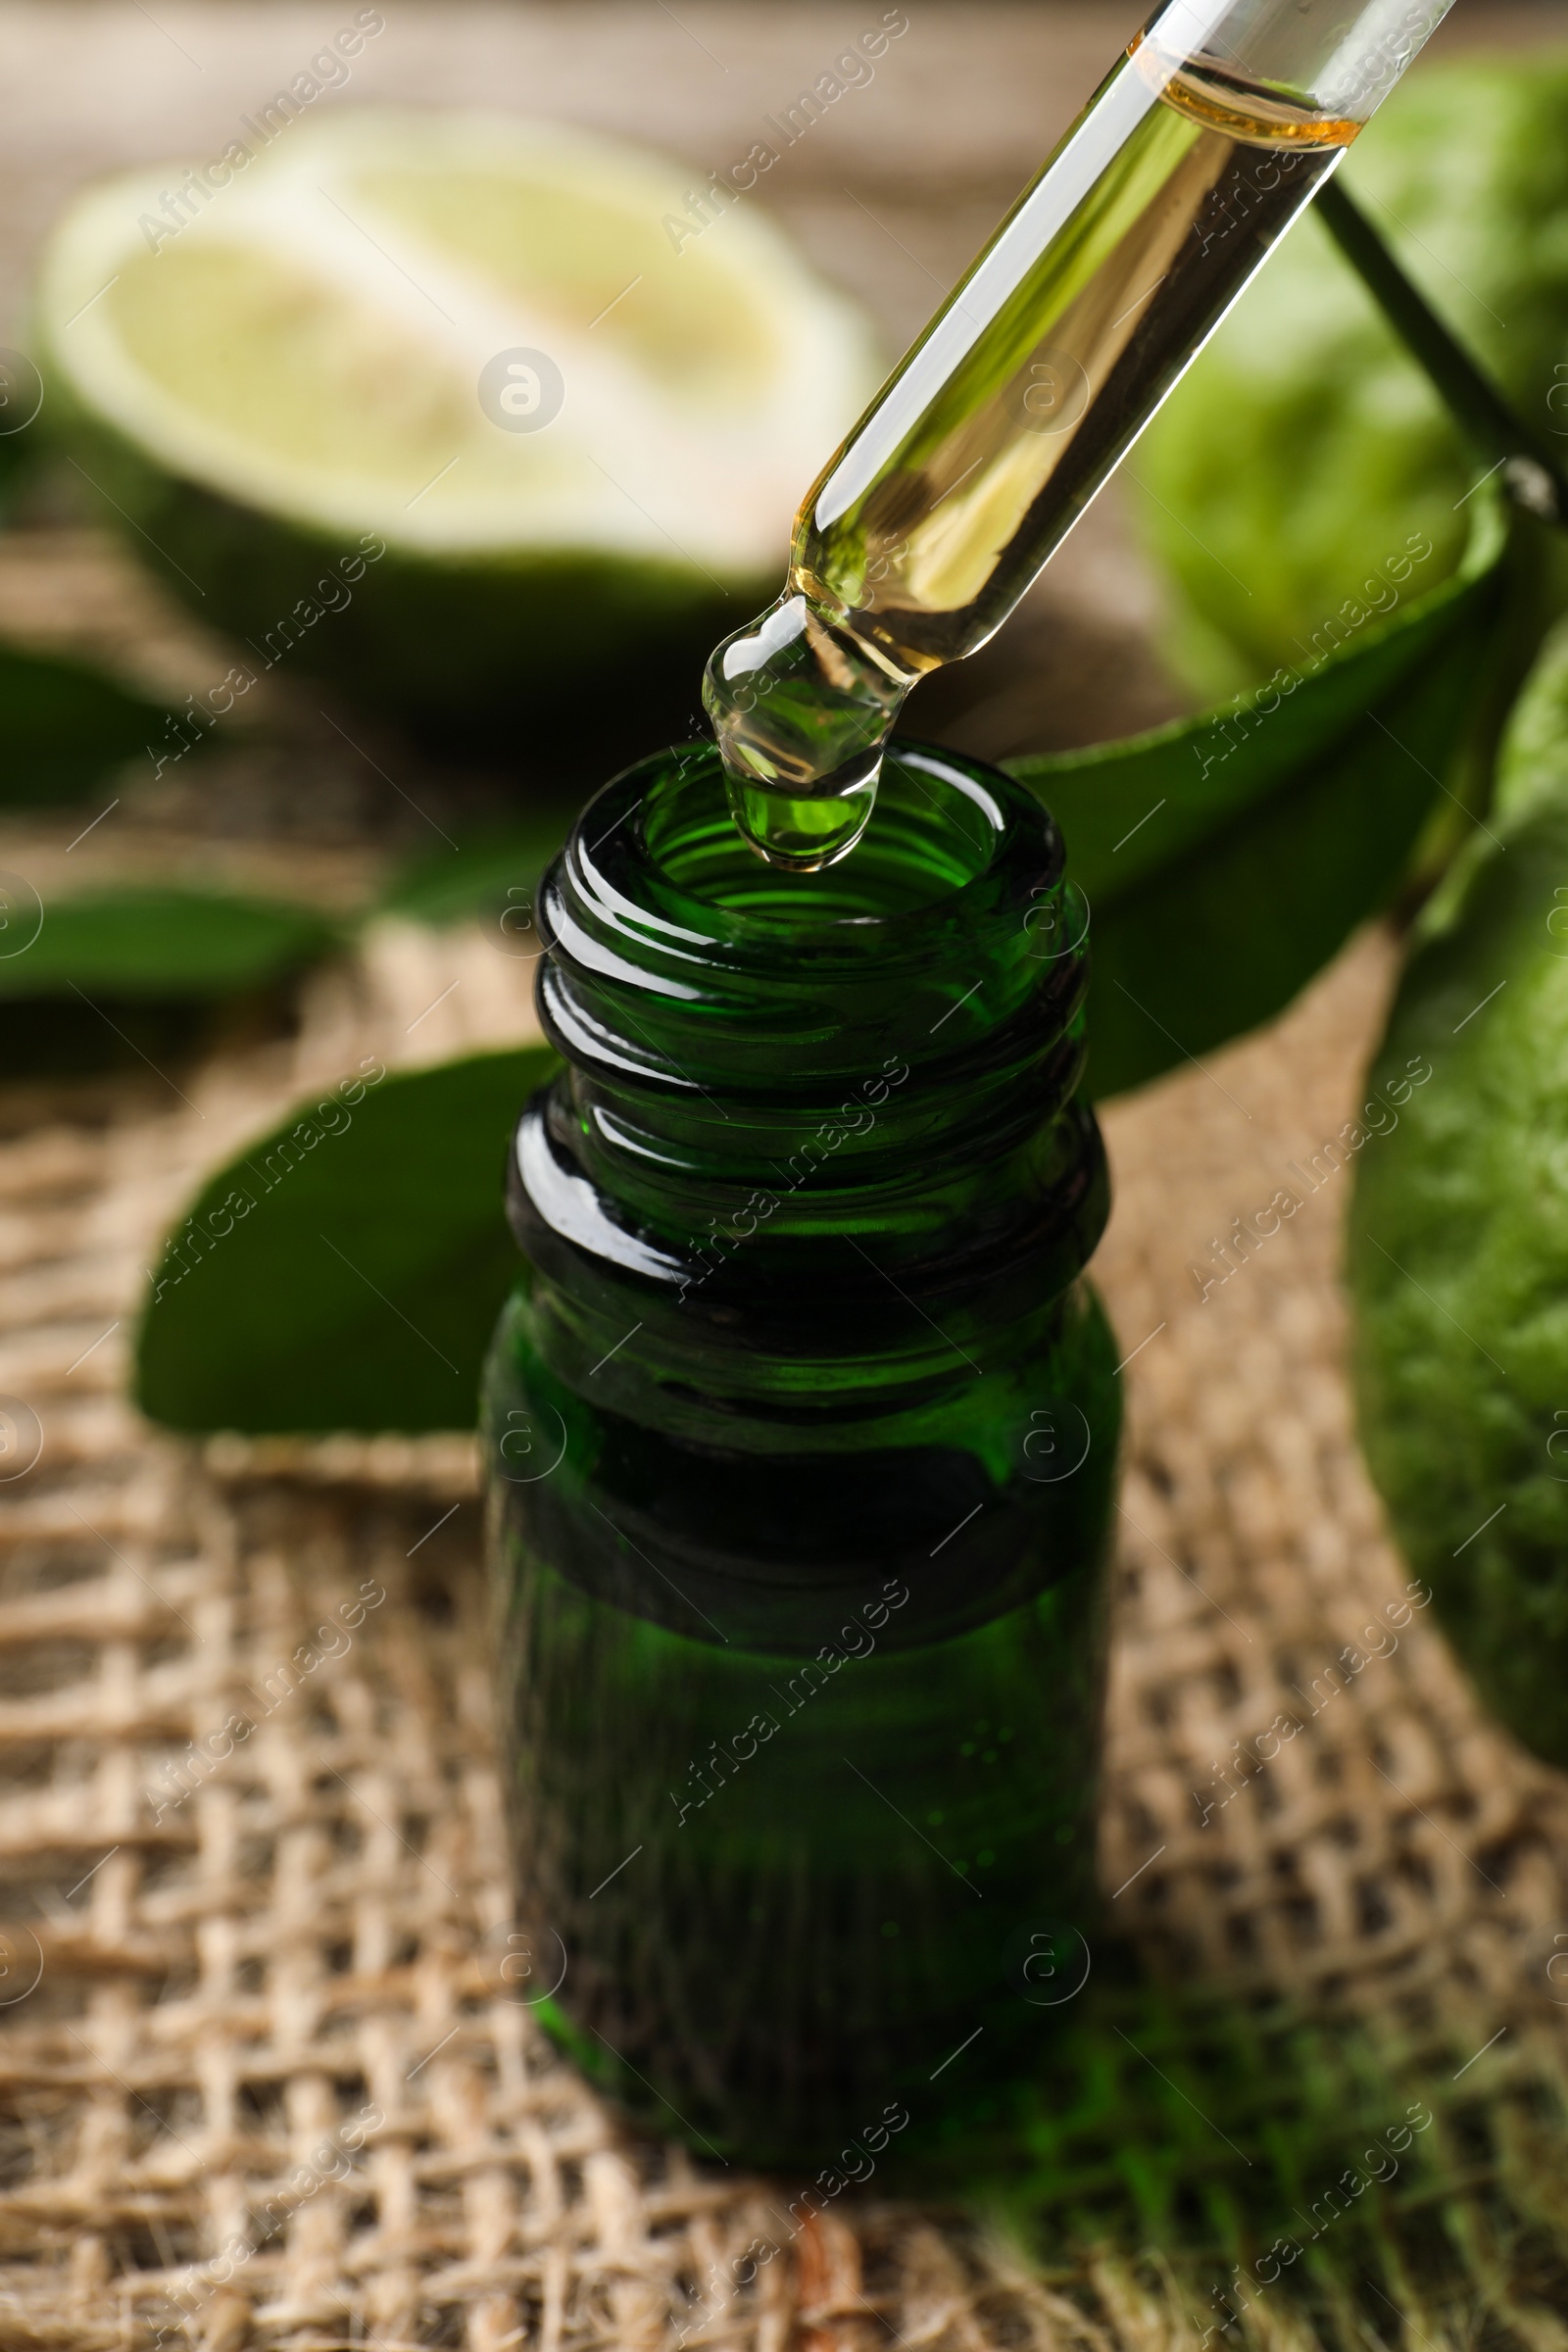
936 828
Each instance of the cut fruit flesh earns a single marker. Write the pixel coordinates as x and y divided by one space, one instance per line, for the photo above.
311 343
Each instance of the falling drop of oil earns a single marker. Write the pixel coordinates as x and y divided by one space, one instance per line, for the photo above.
802 712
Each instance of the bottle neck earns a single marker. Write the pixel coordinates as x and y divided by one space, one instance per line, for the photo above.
792 1097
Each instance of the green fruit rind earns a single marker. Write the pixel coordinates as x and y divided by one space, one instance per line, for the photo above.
1458 1243
1305 443
494 653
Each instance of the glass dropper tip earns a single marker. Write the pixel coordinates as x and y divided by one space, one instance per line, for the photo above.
801 833
802 713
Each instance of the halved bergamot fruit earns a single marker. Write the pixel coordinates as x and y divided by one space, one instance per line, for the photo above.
496 347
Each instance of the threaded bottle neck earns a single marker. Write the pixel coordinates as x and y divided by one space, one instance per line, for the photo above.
860 1079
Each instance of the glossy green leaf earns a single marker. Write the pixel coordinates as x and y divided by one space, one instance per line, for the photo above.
1227 856
150 945
346 1272
64 726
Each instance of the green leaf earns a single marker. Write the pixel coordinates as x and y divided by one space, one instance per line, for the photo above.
63 726
1226 857
152 945
346 1272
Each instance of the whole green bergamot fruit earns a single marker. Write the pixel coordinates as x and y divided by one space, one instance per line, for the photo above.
1458 1243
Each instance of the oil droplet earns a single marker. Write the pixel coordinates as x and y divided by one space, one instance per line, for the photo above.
802 712
997 429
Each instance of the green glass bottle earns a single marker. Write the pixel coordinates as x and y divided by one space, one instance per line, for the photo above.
801 1429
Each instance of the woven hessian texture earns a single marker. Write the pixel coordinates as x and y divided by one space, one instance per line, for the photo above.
232 1968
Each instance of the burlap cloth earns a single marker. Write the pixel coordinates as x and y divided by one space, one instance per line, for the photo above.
318 1926
202 1996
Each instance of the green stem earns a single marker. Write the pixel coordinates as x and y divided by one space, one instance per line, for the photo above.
1532 473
